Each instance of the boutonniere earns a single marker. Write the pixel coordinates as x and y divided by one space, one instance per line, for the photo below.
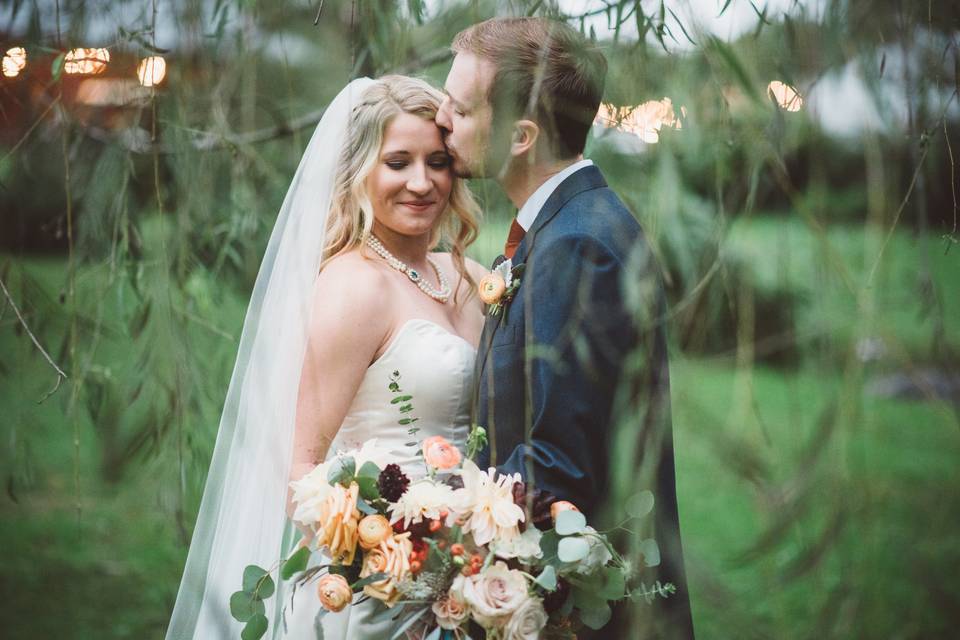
499 287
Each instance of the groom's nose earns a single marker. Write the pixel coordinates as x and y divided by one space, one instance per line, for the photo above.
443 116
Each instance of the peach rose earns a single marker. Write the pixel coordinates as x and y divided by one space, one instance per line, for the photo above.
491 288
392 557
440 454
373 530
338 521
334 591
561 505
451 611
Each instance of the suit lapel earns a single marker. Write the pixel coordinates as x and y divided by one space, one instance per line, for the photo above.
578 182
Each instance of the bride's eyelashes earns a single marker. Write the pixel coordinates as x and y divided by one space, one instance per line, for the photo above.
435 162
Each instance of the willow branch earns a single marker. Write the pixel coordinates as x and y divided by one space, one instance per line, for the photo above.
61 375
139 141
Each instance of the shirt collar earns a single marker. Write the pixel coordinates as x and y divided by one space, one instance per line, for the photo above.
528 212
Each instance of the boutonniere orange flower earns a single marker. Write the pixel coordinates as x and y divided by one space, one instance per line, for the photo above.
499 287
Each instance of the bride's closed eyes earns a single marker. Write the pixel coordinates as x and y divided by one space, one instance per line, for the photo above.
400 159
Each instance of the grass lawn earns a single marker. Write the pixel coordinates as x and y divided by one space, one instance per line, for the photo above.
809 508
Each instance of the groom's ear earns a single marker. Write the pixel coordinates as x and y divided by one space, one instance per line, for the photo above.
524 138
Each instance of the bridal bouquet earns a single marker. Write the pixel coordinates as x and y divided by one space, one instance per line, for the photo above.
459 546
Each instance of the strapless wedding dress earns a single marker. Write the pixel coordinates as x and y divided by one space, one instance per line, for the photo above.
436 368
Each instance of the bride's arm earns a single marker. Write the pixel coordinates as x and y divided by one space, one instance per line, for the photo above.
348 326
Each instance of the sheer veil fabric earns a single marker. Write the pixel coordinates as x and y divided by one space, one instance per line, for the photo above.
242 518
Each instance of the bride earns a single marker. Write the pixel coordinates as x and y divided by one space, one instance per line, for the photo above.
349 293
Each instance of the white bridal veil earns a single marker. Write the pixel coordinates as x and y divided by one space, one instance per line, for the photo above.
242 517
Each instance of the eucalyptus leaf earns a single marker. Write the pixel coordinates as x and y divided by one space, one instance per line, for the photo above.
252 575
614 585
342 470
267 587
651 552
368 487
640 504
368 470
255 628
570 522
596 617
244 606
365 507
547 578
362 582
295 563
573 549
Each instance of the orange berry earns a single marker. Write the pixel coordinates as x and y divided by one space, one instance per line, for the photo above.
443 514
456 549
476 559
474 569
435 526
414 555
422 554
415 566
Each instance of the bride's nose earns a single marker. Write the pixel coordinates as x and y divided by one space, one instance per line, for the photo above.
419 182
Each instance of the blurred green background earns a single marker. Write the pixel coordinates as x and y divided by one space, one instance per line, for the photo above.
809 252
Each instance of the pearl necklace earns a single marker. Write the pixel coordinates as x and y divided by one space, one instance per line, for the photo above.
440 296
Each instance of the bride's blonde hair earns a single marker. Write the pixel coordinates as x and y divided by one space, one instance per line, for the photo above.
351 214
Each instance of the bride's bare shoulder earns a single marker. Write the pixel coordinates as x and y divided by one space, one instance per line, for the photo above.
351 282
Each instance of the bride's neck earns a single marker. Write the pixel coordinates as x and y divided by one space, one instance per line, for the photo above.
412 250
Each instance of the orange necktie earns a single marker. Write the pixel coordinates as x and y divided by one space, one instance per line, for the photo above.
513 239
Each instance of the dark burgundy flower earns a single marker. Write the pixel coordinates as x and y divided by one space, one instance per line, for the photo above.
541 504
392 483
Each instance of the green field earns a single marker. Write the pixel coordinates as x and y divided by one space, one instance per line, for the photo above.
810 508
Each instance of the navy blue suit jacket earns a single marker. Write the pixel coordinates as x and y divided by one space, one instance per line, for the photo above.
549 369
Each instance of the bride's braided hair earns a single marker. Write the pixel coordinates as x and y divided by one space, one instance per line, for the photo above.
351 214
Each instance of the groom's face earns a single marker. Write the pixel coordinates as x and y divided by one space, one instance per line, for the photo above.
466 116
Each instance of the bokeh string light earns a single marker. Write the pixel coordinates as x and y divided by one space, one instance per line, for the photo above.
83 61
645 120
14 61
151 71
786 97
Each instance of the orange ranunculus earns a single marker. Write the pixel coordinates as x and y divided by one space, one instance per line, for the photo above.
338 521
392 557
561 505
334 591
440 454
491 288
373 530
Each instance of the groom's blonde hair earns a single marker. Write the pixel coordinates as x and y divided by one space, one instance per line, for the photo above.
351 213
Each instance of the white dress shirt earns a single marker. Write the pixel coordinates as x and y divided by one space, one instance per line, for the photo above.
528 212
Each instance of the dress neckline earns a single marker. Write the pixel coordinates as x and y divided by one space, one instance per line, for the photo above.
410 322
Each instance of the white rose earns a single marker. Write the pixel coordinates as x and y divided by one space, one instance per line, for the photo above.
494 594
597 557
526 546
526 622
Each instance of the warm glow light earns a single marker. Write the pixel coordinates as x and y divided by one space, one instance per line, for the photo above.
111 92
151 71
14 61
786 96
86 61
644 121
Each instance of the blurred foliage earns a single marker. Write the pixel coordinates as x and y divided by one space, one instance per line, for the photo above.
809 273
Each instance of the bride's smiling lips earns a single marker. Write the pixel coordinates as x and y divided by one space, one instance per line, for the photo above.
419 205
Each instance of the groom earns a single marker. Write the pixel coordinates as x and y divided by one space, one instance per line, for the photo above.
572 372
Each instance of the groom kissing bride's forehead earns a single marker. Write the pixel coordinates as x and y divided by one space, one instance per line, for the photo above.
572 378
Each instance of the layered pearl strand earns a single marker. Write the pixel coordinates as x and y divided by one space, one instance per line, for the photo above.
440 296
